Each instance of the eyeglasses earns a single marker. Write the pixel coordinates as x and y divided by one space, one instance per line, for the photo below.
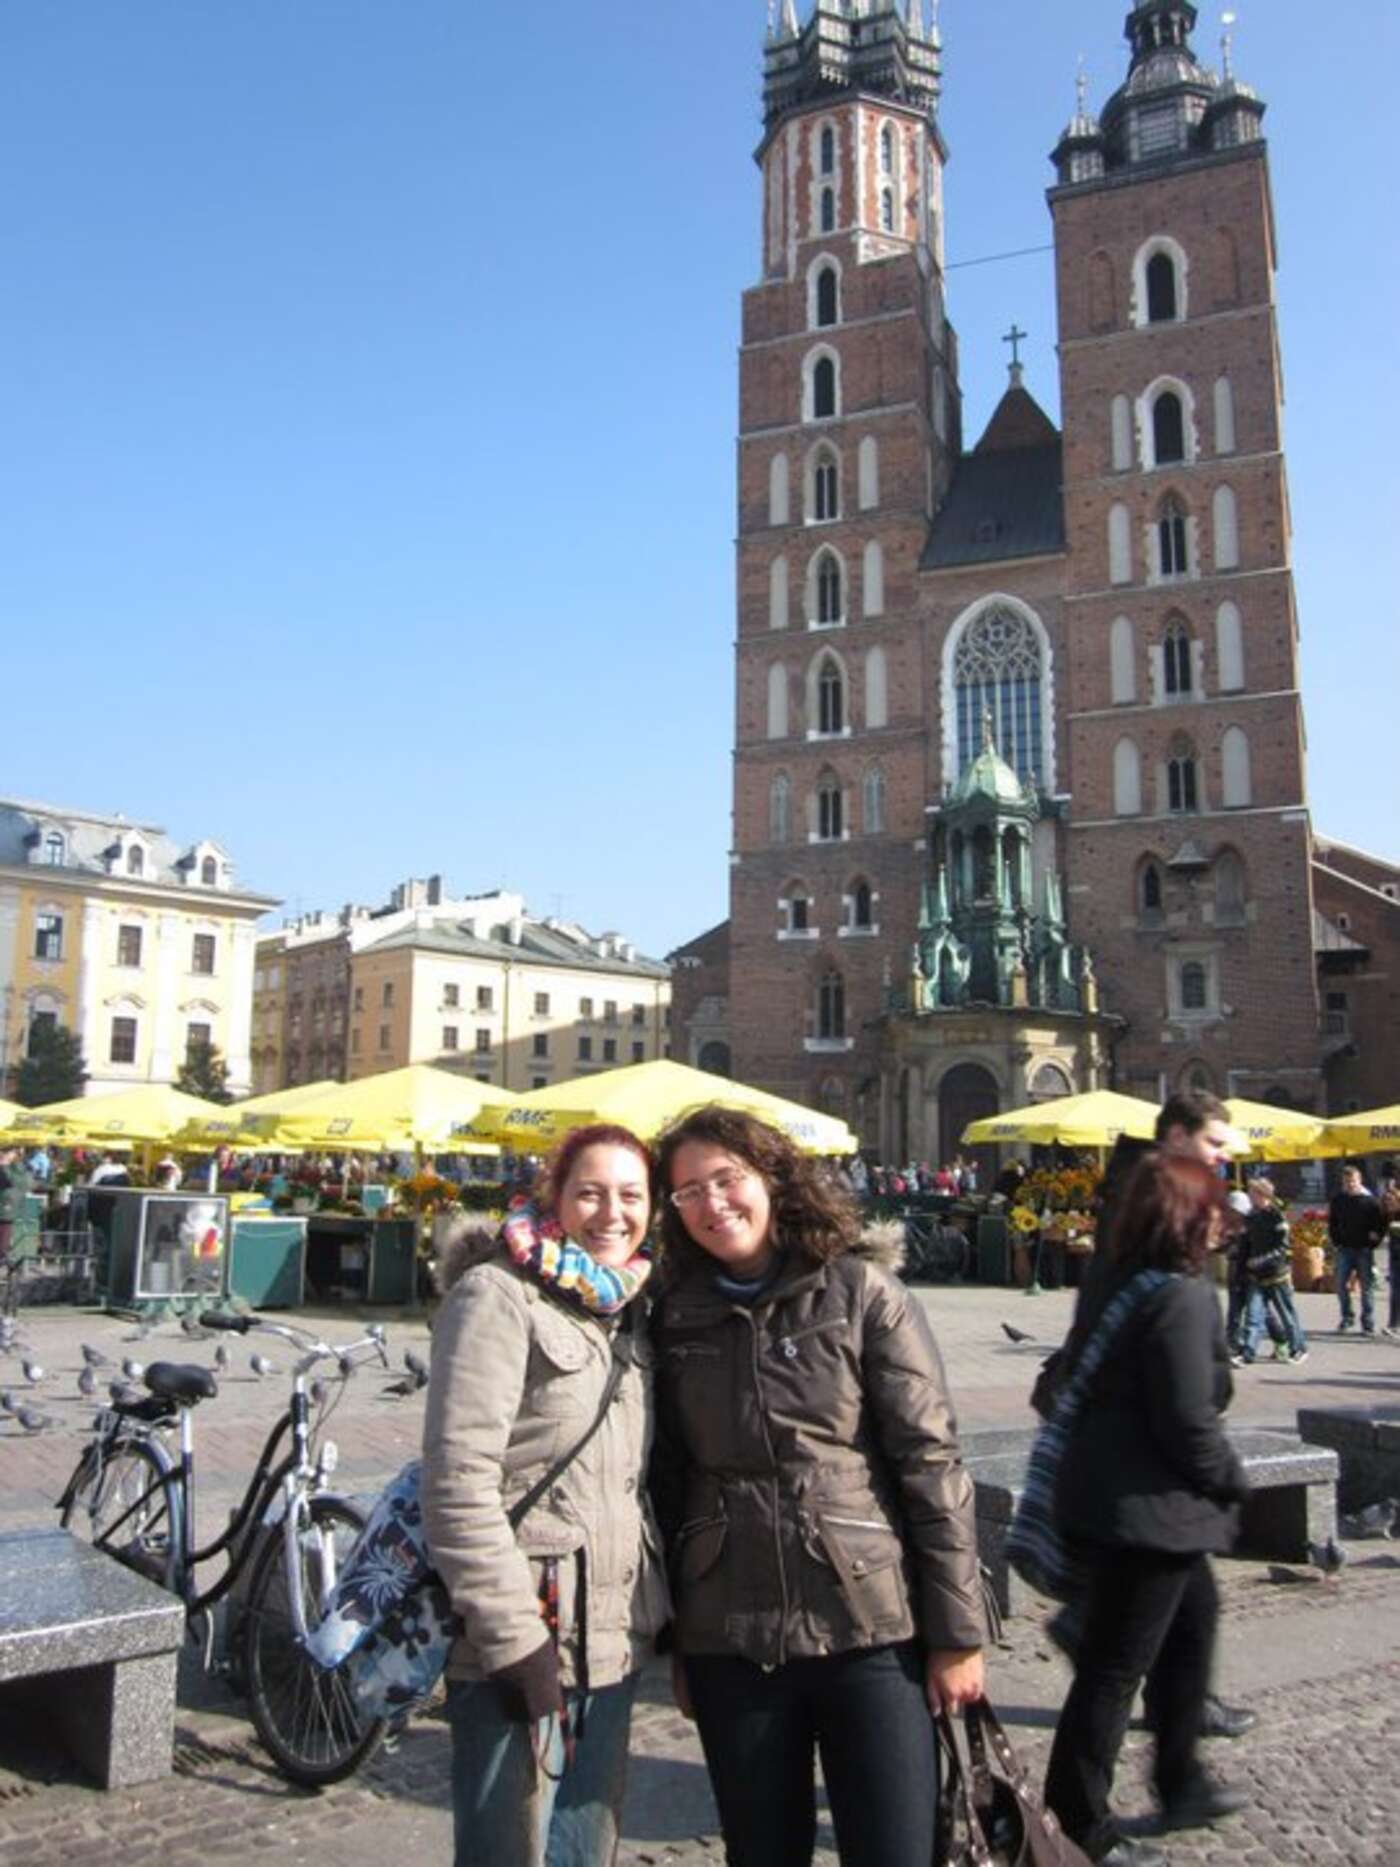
718 1186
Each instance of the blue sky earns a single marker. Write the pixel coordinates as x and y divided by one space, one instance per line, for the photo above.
369 395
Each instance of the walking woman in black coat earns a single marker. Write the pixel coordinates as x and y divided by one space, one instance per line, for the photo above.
1149 1486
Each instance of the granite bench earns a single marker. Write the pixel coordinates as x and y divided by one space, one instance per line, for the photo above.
1292 1500
1367 1442
93 1648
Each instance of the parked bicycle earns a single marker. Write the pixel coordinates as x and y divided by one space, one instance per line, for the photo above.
133 1493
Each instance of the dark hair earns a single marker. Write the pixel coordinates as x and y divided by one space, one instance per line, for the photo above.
814 1214
1170 1214
553 1176
1190 1109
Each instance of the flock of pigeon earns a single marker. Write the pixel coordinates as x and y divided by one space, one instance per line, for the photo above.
108 1381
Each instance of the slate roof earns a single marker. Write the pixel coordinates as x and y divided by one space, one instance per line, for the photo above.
1006 499
537 942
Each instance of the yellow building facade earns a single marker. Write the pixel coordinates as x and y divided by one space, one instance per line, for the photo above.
139 945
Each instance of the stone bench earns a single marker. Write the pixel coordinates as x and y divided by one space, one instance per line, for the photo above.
1292 1500
1366 1441
93 1648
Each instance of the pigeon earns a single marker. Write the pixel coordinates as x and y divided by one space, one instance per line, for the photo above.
221 1357
1329 1557
32 1420
1015 1335
33 1373
416 1367
87 1382
262 1366
94 1357
141 1331
132 1368
1374 1520
8 1402
190 1324
410 1384
123 1393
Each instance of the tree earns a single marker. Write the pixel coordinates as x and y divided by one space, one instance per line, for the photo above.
54 1069
204 1073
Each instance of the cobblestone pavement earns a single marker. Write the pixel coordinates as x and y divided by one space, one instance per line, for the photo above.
1319 1662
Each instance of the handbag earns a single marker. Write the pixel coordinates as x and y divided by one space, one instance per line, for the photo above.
390 1622
989 1813
1035 1547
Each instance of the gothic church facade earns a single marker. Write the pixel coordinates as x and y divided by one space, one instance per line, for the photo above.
1108 608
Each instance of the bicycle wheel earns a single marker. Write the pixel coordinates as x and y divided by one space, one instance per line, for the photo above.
306 1717
119 1501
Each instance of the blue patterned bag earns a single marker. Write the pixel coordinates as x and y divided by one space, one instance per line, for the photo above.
1035 1547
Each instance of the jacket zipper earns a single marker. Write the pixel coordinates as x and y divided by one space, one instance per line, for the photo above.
786 1345
777 1496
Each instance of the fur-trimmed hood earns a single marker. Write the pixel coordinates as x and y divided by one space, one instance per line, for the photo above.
883 1242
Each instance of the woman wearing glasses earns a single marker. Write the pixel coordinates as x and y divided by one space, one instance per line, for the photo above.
817 1514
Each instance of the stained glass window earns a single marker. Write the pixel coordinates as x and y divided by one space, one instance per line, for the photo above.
998 668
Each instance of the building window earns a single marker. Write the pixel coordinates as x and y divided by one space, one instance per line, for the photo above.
485 998
831 709
1229 890
54 849
1181 781
585 1007
828 591
539 1044
539 1082
128 946
386 994
886 150
384 1037
585 1050
1161 289
1176 660
779 795
639 1053
831 1006
609 1011
483 1042
823 388
999 668
639 1014
887 210
123 1045
355 1042
1171 538
1168 429
827 300
862 915
199 1040
1236 789
209 872
610 1050
1151 890
1127 779
825 487
202 954
48 936
1193 986
827 215
797 913
830 814
359 1003
449 1037
136 860
873 800
542 1004
452 996
828 149
42 1025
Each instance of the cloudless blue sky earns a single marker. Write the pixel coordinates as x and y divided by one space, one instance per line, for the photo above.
368 400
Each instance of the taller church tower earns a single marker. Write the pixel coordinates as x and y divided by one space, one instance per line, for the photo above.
849 423
1188 833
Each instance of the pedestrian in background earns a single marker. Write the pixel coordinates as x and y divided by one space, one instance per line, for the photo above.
1355 1227
1269 1275
818 1516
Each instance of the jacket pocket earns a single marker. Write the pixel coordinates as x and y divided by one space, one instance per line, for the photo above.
699 1546
562 1356
867 1557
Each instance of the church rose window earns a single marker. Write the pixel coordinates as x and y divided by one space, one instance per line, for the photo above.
998 669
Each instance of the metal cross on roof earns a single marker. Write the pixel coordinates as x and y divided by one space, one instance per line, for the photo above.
1015 337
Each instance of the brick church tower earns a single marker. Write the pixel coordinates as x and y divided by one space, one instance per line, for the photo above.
1188 835
1106 614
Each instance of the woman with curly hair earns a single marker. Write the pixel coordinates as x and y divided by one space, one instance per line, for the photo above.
818 1517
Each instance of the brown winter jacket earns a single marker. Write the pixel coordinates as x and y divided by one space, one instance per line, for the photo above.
807 1473
517 1378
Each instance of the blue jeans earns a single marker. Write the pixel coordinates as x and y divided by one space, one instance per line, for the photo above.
1394 1282
1361 1259
1273 1303
867 1715
507 1811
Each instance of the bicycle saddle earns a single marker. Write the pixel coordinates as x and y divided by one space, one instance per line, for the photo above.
181 1381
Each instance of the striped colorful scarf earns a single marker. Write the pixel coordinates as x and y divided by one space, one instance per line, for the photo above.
538 1244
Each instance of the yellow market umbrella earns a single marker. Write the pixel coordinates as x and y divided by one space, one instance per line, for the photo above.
10 1112
647 1097
398 1111
150 1112
242 1124
1267 1133
1094 1119
1370 1131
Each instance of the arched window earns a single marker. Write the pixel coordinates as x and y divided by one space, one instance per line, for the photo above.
827 301
1161 289
778 490
795 908
824 498
1224 416
209 872
831 815
1225 524
868 473
1229 889
887 210
886 150
829 610
778 593
862 906
999 668
873 578
1168 429
827 158
1121 433
1193 986
777 701
827 210
822 400
1122 660
136 860
1120 545
779 808
1150 890
1181 777
1127 779
831 697
1171 538
1235 785
55 849
1229 648
831 1006
873 801
1176 660
877 705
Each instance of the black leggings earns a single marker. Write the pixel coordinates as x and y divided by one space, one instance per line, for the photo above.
865 1712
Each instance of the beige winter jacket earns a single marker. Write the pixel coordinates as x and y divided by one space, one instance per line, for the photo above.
517 1378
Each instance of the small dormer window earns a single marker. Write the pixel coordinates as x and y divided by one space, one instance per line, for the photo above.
209 872
136 860
55 849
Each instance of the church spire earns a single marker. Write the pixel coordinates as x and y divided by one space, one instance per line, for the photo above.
790 28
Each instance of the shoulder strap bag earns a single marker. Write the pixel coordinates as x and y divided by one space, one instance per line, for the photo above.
990 1814
1035 1547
